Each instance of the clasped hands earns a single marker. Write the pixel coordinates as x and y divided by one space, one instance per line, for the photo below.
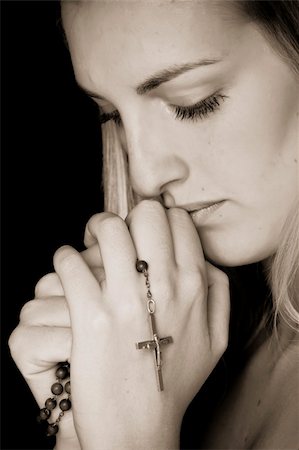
92 310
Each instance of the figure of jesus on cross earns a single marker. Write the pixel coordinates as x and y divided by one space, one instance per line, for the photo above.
155 344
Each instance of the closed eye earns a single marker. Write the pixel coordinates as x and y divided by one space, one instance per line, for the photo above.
198 111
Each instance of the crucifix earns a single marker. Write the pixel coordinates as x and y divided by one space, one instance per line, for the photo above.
154 344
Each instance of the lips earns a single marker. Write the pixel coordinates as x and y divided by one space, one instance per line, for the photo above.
195 207
201 215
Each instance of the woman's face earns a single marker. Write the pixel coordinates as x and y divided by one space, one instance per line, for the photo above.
239 146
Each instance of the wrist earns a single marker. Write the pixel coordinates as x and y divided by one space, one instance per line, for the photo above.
159 432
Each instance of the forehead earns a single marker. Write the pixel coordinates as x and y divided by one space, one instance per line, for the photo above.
126 41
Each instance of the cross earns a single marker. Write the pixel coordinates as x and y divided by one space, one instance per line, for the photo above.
155 344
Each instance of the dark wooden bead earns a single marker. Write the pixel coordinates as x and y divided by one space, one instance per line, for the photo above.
44 414
67 387
50 403
65 404
52 429
63 364
57 388
62 372
141 266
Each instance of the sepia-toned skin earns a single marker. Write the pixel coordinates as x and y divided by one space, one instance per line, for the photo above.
245 153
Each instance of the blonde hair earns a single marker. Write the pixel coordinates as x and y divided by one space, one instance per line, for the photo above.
283 272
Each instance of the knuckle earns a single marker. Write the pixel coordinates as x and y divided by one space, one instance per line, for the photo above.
110 225
194 285
145 208
101 324
16 343
96 218
164 291
27 311
96 221
65 258
45 283
104 226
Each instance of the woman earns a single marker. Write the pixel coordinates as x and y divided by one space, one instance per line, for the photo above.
199 107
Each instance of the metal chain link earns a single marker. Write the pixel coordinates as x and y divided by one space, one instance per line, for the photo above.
151 304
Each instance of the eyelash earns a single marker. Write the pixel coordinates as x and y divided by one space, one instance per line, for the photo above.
194 112
200 110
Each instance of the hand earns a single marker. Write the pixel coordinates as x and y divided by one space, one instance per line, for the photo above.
43 338
115 398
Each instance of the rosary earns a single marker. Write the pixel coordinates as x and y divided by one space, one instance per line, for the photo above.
63 369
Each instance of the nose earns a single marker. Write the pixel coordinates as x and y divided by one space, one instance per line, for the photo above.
155 161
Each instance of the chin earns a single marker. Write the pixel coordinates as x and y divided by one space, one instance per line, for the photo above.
234 253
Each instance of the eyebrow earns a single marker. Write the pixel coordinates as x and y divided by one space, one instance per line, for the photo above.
160 77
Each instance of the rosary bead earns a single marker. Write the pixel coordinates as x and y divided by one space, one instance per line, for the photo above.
44 414
52 429
63 364
50 403
141 266
65 404
57 388
62 372
67 387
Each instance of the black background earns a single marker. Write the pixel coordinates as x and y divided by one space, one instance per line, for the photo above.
51 180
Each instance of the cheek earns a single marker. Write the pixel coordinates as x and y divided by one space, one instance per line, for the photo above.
255 140
253 163
248 227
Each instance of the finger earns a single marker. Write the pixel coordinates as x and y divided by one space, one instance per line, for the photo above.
37 362
50 312
48 286
116 248
82 290
187 246
51 345
150 231
89 237
92 256
218 307
99 274
90 234
189 257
